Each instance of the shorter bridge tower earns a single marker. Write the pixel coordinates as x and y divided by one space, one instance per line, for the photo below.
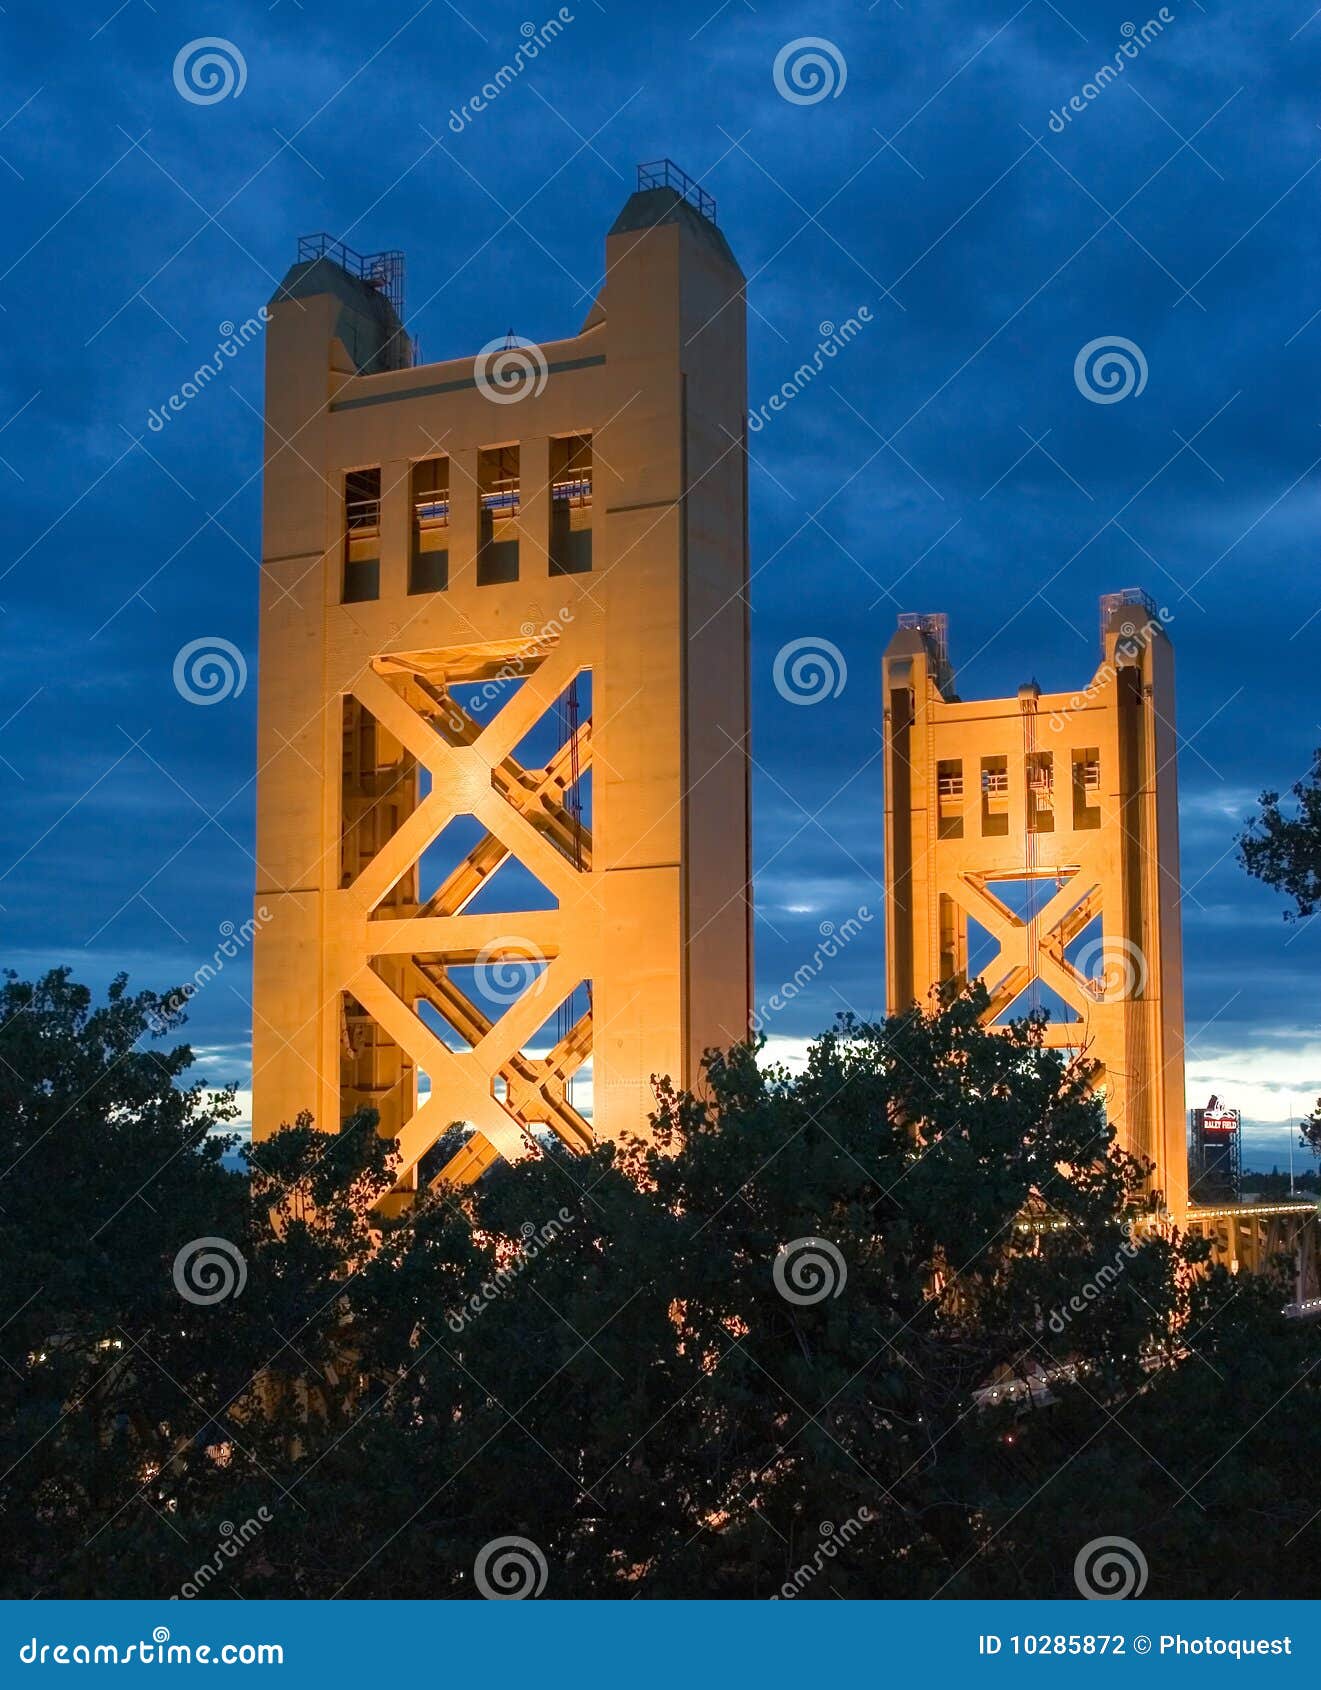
1033 841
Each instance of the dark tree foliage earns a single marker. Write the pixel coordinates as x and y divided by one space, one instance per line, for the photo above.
1276 1185
1284 851
884 1328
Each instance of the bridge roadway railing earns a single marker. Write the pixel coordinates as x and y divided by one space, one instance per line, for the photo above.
1249 1236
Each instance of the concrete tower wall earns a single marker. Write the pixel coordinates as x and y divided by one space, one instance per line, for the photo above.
358 716
1051 821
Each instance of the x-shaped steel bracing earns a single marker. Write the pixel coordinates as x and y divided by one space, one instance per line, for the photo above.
474 772
1035 949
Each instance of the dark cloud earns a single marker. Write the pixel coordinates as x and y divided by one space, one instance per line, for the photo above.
1178 209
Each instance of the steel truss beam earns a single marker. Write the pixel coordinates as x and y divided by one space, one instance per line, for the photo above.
400 954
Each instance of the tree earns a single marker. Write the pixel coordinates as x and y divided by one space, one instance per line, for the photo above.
106 1157
1285 852
1207 1471
967 1184
897 1325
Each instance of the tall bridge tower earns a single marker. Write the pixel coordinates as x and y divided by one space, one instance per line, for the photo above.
502 805
1034 842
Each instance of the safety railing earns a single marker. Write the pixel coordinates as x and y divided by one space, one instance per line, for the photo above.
665 173
502 498
574 491
432 511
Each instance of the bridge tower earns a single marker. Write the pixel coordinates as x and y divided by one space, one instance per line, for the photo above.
502 807
1033 842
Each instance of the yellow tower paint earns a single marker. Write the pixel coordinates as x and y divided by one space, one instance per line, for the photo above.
1050 822
449 555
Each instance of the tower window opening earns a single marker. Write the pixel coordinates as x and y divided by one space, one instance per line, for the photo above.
995 797
500 495
1041 791
362 535
571 505
949 797
428 570
1086 788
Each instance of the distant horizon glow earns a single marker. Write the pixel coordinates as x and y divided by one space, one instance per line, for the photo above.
1267 1140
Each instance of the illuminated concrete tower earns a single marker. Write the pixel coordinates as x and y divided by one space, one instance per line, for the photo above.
1034 842
503 793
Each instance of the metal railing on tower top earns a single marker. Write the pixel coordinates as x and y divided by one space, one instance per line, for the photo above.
381 270
1134 596
933 626
665 173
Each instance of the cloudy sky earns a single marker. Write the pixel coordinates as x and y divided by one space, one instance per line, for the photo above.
947 460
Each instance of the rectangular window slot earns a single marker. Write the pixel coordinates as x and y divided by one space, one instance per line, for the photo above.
362 535
1086 788
571 505
428 570
995 797
499 494
1041 791
949 797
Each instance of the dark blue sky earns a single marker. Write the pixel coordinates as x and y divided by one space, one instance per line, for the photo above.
1178 210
